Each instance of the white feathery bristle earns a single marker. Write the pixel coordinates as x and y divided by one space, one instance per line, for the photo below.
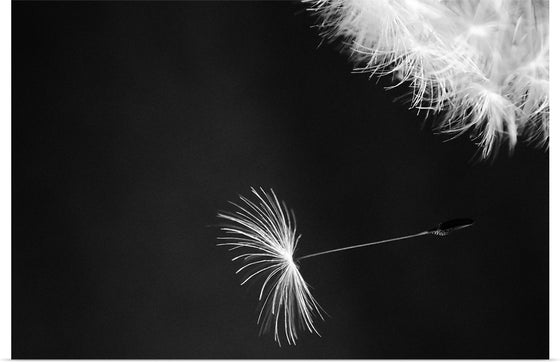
484 63
266 232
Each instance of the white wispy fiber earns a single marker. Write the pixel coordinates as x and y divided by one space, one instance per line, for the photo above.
264 231
484 63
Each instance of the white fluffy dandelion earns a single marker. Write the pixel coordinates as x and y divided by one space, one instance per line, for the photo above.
264 231
484 63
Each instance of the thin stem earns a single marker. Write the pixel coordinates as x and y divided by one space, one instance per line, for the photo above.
363 245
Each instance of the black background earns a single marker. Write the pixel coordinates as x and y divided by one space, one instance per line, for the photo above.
133 123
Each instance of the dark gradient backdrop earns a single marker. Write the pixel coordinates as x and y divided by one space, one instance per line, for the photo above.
133 123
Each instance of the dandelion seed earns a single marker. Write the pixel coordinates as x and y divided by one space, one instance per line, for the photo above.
483 63
265 232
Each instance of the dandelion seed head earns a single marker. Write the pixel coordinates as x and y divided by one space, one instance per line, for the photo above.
263 231
447 50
